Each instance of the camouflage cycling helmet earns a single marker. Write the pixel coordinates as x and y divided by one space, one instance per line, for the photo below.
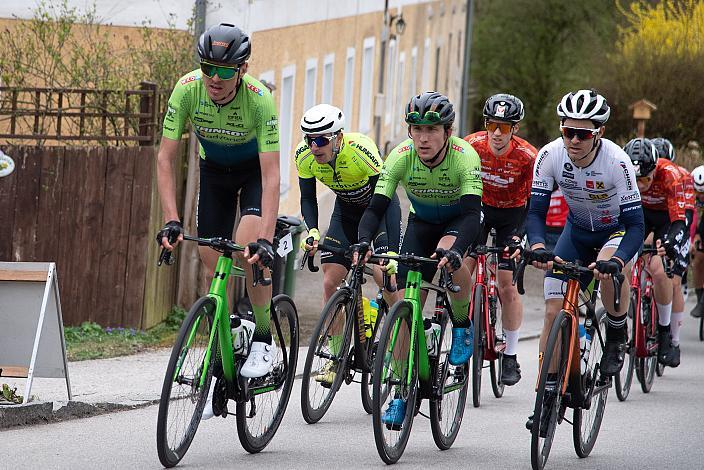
643 155
504 107
430 108
664 148
225 44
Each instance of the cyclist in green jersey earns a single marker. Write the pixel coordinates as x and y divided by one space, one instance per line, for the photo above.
349 164
234 118
441 174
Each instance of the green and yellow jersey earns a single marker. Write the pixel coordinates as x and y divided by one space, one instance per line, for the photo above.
232 135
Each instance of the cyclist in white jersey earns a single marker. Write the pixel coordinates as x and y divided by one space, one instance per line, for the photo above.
605 223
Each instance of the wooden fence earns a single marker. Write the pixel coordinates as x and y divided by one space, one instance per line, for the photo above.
94 211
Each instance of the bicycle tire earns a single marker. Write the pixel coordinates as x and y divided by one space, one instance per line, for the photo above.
586 423
446 427
624 379
336 305
659 369
539 453
496 366
193 396
371 348
701 329
284 330
384 383
645 366
478 307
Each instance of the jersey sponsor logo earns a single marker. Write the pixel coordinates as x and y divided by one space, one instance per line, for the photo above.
598 197
538 184
497 179
457 148
567 174
368 153
215 130
436 191
271 142
200 119
600 185
189 79
540 162
272 122
255 89
568 166
590 184
629 184
405 148
170 111
301 150
680 204
630 197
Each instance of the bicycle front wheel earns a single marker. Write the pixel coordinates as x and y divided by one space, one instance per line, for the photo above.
183 396
587 421
327 355
624 379
499 345
260 415
446 412
548 399
478 307
393 395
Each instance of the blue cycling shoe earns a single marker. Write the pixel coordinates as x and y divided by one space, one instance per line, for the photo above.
462 345
394 414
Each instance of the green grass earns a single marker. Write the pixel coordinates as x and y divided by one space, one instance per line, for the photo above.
92 341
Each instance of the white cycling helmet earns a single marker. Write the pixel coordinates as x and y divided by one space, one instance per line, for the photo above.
698 177
322 119
584 104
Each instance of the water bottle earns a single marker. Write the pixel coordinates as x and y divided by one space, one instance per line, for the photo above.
432 337
373 311
242 332
585 342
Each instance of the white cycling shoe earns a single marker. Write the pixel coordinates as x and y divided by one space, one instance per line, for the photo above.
208 409
260 360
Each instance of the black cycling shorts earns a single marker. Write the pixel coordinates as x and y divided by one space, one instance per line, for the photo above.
421 238
344 229
658 222
220 189
507 222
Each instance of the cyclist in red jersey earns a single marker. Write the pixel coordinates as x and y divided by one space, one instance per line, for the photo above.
666 150
697 255
507 175
556 219
664 203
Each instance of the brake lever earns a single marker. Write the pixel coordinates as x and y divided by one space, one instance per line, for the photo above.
618 282
447 281
258 277
165 257
518 276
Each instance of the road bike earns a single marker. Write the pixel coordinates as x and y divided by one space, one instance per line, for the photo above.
562 383
204 352
485 308
343 342
407 368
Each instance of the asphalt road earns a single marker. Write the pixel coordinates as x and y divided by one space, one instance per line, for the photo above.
663 429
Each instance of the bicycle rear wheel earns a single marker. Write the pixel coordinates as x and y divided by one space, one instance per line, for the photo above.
326 350
624 379
548 401
645 371
587 421
478 307
260 415
182 394
371 349
660 369
701 329
391 382
447 410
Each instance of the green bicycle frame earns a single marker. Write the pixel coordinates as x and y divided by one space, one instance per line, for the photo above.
412 295
218 292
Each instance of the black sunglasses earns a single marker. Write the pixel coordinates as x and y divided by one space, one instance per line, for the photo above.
320 141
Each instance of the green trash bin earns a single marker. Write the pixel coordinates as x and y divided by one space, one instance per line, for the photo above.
285 281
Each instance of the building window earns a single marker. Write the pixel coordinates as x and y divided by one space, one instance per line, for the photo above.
288 77
400 97
365 93
349 84
328 78
437 68
390 80
311 76
426 65
414 73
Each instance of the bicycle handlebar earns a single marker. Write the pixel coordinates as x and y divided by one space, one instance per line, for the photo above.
222 245
572 270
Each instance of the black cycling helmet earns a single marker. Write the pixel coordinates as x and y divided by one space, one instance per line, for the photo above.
430 108
643 155
664 148
224 43
504 107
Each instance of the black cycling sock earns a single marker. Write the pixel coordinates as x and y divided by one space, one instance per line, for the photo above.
615 328
512 356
